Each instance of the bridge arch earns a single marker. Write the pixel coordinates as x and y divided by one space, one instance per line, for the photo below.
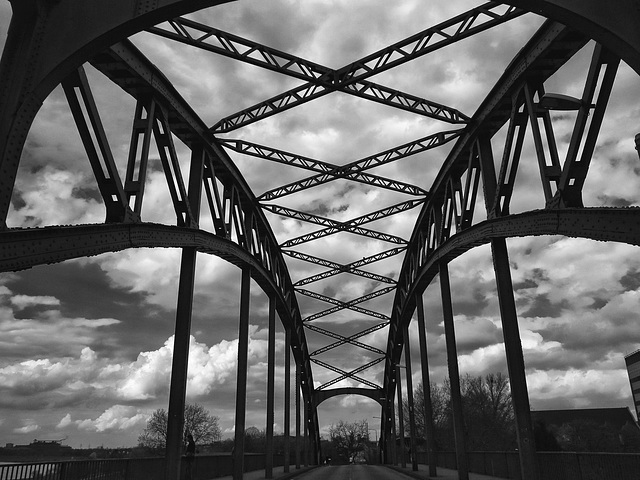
51 57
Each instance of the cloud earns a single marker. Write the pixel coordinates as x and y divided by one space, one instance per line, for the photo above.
27 429
118 417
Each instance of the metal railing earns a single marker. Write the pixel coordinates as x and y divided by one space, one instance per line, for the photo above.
204 467
552 465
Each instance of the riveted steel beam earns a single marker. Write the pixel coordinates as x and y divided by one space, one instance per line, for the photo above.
343 339
333 345
394 154
351 305
446 33
347 268
335 226
374 394
351 374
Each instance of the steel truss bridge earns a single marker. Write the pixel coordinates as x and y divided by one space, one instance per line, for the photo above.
49 44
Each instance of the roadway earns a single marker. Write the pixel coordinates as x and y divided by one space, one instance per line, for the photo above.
352 472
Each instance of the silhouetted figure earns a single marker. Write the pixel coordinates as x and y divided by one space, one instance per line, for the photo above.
190 456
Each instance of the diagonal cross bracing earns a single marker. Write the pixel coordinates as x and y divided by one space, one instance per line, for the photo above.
450 31
446 33
348 268
391 155
292 159
337 336
351 305
351 374
217 41
334 226
347 339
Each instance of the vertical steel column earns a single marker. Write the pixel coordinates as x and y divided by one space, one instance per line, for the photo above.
412 417
271 369
426 391
181 340
305 434
403 461
241 386
393 453
287 399
515 361
297 416
180 362
454 374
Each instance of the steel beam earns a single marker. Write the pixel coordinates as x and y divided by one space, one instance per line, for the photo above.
429 432
394 154
446 33
271 369
180 362
412 417
401 457
454 375
217 41
287 401
241 374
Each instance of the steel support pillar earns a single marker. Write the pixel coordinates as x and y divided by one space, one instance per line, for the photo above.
271 370
515 361
241 387
182 337
297 416
402 459
454 374
412 416
429 432
287 400
178 388
305 434
393 451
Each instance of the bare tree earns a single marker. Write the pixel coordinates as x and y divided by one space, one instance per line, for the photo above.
487 409
197 420
349 439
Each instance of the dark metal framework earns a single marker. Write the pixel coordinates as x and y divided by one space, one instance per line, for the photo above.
39 55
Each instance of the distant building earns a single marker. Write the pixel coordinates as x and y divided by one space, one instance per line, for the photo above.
590 429
633 369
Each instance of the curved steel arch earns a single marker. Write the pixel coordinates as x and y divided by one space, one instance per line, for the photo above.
42 56
320 396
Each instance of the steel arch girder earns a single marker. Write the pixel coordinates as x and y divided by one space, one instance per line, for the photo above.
40 52
613 24
377 395
601 224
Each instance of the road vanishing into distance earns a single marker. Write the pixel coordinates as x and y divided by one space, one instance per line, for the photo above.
353 472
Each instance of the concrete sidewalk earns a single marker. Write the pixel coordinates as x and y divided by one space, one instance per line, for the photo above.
423 473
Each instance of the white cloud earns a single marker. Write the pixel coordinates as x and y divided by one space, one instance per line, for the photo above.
118 417
27 429
24 301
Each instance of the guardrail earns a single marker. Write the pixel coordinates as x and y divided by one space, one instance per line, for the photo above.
204 467
552 465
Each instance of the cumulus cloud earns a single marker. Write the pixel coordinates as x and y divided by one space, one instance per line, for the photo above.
118 417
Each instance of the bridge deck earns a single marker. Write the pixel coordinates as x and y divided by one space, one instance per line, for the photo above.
422 474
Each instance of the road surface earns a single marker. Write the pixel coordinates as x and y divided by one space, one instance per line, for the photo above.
352 472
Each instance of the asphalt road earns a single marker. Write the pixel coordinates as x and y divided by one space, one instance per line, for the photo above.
353 472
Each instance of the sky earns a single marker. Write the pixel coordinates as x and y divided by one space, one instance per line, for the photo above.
86 345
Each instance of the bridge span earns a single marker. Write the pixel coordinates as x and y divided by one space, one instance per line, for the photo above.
488 168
